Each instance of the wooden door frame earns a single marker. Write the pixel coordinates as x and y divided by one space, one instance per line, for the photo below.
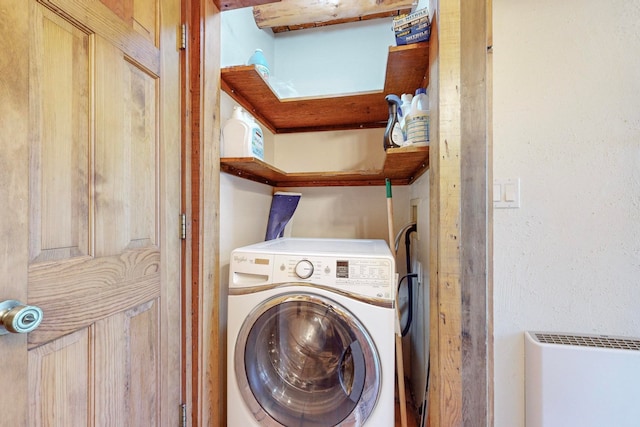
461 294
461 325
203 338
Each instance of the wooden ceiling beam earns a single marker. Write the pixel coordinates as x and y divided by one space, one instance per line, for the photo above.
288 15
223 5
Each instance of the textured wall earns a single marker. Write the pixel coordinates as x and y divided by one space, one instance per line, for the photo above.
567 122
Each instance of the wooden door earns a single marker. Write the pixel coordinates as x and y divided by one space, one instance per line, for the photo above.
90 177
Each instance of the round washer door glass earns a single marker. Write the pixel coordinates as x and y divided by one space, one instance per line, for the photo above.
304 360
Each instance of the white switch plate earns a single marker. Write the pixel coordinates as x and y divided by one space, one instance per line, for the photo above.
506 193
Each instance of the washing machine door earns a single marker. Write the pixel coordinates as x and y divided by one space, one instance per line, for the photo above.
304 360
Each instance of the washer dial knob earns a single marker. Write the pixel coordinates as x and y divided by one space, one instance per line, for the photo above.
304 269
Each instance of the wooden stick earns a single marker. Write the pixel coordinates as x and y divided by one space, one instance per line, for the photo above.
399 362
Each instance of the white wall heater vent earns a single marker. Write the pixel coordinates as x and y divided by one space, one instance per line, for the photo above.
574 380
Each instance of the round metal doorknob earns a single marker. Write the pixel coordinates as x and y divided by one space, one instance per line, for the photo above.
17 318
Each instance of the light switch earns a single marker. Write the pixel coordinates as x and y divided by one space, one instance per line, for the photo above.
510 192
497 192
506 193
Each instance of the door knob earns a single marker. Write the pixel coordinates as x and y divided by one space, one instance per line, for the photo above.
17 318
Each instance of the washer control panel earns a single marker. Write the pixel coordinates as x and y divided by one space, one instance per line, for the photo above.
357 267
366 276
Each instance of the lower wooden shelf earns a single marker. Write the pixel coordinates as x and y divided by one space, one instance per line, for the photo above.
402 166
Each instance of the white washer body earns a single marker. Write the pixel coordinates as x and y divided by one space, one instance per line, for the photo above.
293 302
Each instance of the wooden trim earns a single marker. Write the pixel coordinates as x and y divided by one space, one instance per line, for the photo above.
212 365
186 207
475 203
433 390
489 178
461 391
192 155
206 376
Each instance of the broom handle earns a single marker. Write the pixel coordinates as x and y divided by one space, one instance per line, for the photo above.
399 357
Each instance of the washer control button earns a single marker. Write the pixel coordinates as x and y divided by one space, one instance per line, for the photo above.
304 269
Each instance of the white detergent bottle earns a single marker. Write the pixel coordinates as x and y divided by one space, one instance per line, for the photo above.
417 121
256 135
241 136
405 109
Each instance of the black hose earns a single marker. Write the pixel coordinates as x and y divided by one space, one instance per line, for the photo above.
407 246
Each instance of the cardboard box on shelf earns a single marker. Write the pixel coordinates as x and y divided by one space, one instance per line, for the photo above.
412 28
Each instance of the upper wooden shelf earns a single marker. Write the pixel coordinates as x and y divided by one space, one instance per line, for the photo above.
402 166
407 70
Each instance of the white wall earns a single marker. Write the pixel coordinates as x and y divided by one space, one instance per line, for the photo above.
567 122
240 36
323 60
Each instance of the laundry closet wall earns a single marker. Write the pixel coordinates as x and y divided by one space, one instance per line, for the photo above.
566 103
334 54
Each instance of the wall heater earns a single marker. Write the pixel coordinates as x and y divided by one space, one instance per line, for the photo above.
576 380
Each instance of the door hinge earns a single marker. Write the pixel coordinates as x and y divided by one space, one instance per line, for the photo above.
183 226
183 36
183 418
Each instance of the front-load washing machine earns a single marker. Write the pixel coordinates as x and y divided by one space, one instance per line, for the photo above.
311 329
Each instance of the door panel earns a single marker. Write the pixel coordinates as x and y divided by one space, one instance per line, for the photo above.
76 294
95 183
126 368
60 139
126 167
124 33
55 373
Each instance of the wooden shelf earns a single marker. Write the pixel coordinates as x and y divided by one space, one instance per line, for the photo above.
402 166
407 70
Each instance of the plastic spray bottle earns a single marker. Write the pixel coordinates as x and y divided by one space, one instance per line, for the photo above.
393 133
